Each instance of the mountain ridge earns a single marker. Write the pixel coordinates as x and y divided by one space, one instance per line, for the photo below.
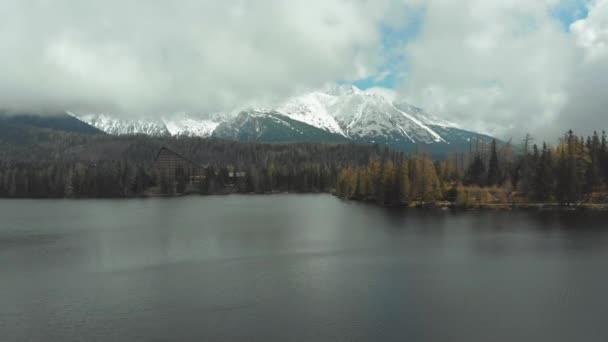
335 113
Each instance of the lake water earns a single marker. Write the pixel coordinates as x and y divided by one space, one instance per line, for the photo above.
297 268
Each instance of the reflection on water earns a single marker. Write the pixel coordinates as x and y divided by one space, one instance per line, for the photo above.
297 268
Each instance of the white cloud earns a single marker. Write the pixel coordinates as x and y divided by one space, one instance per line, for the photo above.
498 66
587 109
592 32
501 66
157 56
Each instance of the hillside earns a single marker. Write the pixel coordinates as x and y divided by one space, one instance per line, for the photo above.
337 113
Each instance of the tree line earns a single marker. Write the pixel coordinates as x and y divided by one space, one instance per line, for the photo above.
575 170
572 172
112 167
107 179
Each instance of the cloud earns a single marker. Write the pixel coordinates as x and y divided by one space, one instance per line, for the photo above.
591 33
505 67
502 67
158 56
510 67
587 109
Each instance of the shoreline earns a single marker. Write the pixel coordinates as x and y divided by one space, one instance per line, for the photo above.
440 205
495 207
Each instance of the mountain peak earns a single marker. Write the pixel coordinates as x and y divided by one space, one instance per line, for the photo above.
386 93
341 90
337 112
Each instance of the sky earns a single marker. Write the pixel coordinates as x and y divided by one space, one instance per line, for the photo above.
503 67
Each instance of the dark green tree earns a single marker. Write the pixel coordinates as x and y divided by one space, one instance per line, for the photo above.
494 174
476 173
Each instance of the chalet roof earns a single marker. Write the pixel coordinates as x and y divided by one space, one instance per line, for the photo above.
170 151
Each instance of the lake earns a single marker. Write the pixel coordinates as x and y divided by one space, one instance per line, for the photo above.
297 268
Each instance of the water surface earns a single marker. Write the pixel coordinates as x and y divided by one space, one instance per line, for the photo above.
297 268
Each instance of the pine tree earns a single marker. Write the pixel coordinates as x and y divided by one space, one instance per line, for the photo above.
476 172
568 188
593 172
426 186
404 181
604 158
543 184
374 171
493 169
388 182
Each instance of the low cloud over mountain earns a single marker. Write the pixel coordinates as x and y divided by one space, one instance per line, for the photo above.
503 67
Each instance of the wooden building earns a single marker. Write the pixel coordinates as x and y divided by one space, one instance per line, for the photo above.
179 174
168 162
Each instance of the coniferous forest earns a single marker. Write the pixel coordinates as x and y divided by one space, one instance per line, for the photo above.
574 171
57 165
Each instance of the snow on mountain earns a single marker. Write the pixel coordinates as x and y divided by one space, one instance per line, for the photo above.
364 114
313 109
272 126
179 124
342 112
190 126
121 126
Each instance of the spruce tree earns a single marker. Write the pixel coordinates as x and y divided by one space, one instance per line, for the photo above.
475 174
493 169
544 179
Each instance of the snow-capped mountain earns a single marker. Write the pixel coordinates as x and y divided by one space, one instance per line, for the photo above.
336 113
262 125
178 124
183 124
367 115
121 126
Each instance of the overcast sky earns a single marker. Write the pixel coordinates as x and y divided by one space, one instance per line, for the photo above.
501 66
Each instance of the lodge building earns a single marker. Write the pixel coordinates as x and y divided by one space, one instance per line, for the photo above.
167 162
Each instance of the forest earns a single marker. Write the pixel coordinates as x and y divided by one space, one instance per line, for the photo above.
74 166
57 165
574 172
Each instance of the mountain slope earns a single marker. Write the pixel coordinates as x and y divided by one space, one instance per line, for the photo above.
185 125
337 113
120 126
178 124
53 121
272 126
378 116
364 115
35 129
30 136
